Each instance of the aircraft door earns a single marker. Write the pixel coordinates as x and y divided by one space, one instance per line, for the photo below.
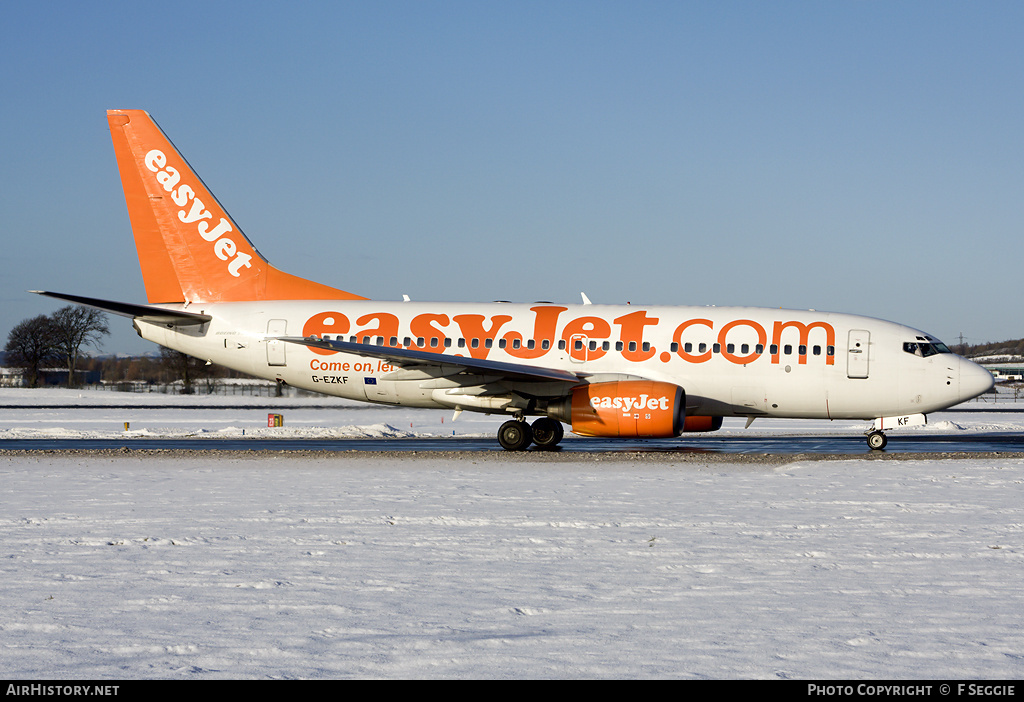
857 353
275 348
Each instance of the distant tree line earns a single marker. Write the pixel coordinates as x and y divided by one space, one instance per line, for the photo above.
169 366
61 338
1014 349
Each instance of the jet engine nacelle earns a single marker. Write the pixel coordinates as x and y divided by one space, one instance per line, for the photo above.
702 424
629 408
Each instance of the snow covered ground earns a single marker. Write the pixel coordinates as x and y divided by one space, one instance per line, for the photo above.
61 413
490 566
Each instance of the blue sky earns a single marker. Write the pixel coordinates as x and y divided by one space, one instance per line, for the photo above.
861 157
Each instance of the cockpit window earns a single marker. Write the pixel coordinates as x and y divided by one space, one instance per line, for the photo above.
925 348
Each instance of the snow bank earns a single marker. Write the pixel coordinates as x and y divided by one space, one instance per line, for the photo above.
61 413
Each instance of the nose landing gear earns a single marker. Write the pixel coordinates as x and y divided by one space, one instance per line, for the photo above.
877 440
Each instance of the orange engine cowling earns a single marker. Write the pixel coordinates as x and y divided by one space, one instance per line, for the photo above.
698 423
630 408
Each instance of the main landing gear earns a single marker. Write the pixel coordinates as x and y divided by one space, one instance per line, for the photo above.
517 435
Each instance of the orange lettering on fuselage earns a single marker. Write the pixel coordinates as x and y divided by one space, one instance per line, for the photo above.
687 356
544 326
422 327
588 328
632 336
762 339
387 327
805 329
480 333
324 325
472 326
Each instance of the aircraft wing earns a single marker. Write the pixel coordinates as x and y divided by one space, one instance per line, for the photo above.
406 358
147 313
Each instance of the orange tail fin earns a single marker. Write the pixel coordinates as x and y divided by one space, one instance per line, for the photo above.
189 248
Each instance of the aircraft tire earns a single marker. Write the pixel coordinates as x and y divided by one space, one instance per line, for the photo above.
547 432
515 435
877 441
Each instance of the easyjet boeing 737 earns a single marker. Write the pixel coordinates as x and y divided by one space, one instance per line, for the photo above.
604 370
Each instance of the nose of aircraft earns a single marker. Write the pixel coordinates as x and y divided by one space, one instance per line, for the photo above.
974 380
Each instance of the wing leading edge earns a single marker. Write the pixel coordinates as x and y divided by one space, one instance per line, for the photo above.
410 357
146 313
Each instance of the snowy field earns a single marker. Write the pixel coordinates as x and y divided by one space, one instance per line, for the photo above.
91 414
195 565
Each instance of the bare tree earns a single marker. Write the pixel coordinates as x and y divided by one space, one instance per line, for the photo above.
31 344
74 327
183 367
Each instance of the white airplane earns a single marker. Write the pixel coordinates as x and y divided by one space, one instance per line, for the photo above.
605 370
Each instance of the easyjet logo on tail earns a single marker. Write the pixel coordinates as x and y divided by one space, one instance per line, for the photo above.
196 213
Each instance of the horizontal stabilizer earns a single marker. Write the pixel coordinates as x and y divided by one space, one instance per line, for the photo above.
146 313
409 357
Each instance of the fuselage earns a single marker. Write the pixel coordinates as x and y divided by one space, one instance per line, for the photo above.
731 361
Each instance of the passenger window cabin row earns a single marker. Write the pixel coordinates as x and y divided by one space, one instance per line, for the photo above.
592 345
744 349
